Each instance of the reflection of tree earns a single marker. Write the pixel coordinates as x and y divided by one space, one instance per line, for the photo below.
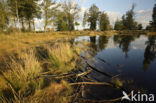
124 42
103 40
150 52
93 45
98 45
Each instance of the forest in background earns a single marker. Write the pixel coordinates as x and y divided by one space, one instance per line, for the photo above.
17 15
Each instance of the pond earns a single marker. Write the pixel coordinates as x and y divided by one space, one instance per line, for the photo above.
130 57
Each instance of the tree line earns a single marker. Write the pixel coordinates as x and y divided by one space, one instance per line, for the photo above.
63 16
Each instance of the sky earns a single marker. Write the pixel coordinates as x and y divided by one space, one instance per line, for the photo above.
116 8
119 5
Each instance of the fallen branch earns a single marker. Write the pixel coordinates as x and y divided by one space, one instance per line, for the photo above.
106 74
91 83
68 75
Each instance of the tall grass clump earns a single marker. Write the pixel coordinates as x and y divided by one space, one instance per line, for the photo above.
22 78
63 57
26 81
54 93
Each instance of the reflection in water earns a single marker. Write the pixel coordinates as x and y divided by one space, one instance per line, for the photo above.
103 41
98 43
124 42
93 45
111 49
150 52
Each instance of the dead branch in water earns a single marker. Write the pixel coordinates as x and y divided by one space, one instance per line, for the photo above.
68 75
91 83
106 74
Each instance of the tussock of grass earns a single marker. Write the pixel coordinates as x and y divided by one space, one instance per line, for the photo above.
23 83
22 79
55 93
62 58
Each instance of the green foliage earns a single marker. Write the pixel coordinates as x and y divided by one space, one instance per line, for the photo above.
85 17
50 8
64 19
104 23
31 10
4 18
118 25
77 24
25 11
153 22
148 27
71 11
93 16
128 20
61 22
140 27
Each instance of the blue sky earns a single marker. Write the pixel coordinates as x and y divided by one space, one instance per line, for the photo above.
119 5
116 8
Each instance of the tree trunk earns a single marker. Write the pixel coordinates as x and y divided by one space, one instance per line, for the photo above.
34 24
18 22
23 28
29 21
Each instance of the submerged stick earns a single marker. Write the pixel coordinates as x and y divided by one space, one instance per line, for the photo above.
91 83
104 61
106 74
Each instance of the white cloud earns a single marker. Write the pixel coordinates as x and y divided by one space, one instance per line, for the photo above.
143 17
113 16
83 1
39 24
81 13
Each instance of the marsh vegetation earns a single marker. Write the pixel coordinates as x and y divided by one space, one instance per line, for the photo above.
58 64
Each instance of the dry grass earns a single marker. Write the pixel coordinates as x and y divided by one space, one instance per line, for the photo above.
55 93
23 82
62 58
19 41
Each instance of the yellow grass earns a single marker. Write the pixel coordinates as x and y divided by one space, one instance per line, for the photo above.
62 57
19 41
14 42
23 82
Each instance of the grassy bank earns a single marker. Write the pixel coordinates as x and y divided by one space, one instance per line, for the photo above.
33 65
27 78
18 41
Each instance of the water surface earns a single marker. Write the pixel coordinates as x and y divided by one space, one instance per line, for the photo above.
132 57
